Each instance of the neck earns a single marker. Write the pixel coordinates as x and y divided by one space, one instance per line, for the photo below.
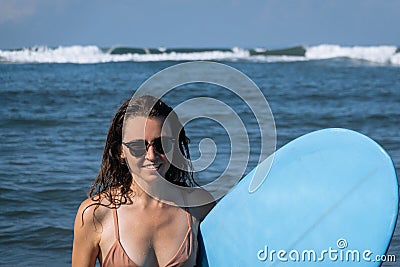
142 198
155 195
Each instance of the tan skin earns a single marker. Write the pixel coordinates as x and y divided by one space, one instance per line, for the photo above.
151 231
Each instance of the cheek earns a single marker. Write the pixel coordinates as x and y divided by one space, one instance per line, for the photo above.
166 165
134 163
169 159
176 158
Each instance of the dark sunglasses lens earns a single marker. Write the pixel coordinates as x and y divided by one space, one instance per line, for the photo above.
138 148
137 152
162 145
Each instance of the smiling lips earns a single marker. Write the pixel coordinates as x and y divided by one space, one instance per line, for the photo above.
152 166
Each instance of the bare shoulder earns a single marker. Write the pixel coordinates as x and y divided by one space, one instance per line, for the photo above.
88 229
201 211
92 211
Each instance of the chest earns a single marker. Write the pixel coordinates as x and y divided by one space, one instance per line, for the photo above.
154 238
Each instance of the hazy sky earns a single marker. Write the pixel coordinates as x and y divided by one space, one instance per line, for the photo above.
201 23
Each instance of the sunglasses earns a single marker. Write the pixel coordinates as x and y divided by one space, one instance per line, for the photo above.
161 145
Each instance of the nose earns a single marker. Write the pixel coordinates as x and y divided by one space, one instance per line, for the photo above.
150 153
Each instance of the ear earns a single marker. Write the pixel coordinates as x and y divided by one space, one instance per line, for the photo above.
122 155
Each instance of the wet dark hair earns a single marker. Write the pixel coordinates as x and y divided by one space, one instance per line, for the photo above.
114 172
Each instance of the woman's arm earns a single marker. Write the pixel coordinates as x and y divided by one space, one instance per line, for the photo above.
86 236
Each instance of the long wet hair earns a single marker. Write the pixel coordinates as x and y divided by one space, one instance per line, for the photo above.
114 179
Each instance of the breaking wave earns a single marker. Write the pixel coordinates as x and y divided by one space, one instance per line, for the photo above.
93 54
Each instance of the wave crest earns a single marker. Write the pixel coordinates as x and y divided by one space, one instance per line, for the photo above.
94 54
376 54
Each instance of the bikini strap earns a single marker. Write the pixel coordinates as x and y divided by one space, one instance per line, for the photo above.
187 210
116 227
189 217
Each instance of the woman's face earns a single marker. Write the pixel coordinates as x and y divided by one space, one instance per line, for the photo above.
139 132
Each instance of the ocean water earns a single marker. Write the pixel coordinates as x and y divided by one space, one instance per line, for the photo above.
56 105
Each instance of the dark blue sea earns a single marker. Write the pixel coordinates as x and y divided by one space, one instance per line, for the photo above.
54 116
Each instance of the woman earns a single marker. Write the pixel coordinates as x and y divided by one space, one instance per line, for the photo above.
120 224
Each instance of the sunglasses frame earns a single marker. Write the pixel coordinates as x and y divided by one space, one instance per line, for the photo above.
148 144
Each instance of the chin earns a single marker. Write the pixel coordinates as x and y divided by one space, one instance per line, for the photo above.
151 176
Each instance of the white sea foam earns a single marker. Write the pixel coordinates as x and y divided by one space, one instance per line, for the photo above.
284 58
395 59
93 54
42 54
376 54
235 54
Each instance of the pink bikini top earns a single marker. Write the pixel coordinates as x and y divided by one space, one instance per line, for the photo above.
186 254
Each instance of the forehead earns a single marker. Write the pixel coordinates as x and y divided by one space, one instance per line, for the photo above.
145 128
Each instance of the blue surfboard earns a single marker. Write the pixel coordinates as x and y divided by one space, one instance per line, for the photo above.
330 198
